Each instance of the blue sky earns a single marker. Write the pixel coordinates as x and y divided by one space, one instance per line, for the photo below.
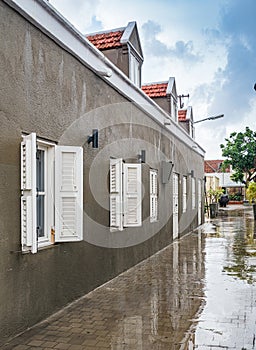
209 46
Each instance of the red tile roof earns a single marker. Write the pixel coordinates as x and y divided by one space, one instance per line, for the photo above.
109 40
155 90
214 166
182 114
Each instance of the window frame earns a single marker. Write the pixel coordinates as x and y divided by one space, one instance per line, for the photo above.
134 69
45 238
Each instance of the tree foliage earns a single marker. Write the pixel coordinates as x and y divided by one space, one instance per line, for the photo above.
251 192
240 153
214 195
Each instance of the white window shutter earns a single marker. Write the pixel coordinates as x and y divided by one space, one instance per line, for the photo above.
28 198
193 189
184 194
132 195
68 194
116 168
153 196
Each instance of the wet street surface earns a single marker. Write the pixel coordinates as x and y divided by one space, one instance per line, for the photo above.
228 320
198 293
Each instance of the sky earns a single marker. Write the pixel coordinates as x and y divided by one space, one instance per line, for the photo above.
209 46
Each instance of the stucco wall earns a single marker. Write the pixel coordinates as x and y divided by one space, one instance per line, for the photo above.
45 90
120 58
164 103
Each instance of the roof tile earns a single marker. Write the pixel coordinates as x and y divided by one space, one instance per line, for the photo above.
155 90
109 40
182 114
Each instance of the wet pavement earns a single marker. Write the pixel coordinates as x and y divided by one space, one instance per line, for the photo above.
198 293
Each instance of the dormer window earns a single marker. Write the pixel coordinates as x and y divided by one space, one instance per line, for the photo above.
134 70
122 47
165 95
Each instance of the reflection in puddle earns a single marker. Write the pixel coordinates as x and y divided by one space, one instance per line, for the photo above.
228 318
168 292
242 261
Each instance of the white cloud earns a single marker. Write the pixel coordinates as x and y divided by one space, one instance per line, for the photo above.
79 12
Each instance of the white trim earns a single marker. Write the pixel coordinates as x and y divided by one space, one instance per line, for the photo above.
126 36
49 149
45 17
45 238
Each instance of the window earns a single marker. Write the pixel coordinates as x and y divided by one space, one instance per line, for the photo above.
51 201
184 197
193 192
44 207
153 196
125 194
134 70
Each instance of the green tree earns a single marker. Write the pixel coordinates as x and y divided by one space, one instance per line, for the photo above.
240 153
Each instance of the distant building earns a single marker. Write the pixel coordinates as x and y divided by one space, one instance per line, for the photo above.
213 171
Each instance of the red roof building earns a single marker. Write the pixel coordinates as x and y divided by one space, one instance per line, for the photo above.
185 118
214 166
164 93
122 47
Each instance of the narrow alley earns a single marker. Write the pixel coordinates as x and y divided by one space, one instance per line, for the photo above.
198 293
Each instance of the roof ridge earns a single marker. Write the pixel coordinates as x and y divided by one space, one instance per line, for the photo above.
156 83
106 31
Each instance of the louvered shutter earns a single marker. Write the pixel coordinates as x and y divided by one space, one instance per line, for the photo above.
193 189
184 194
132 195
28 191
116 193
68 193
153 196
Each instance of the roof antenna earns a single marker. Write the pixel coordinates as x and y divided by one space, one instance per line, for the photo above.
181 102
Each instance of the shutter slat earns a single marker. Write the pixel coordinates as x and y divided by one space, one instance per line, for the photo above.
132 195
153 196
28 198
116 193
184 194
68 194
193 190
